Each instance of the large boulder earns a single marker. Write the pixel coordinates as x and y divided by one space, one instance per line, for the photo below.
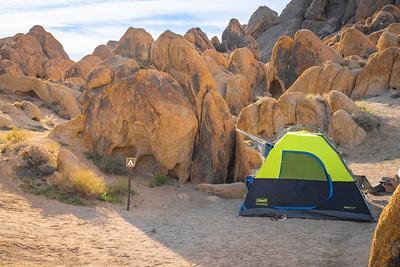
234 190
30 51
375 77
336 100
388 39
257 118
261 19
284 114
98 77
102 51
160 121
83 67
354 42
311 111
366 8
214 148
199 39
291 57
385 249
172 53
387 15
235 36
10 67
54 69
219 72
135 43
51 93
323 79
121 67
238 93
344 131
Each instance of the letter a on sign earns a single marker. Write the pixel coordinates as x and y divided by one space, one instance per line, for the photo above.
130 162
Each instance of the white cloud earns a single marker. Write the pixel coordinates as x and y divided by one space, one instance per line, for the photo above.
81 25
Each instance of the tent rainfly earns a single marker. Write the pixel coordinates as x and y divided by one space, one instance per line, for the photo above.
304 176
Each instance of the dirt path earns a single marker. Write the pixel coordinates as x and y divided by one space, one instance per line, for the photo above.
174 225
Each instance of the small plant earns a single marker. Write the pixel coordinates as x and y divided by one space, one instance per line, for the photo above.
86 184
36 162
108 164
366 119
15 136
116 190
158 180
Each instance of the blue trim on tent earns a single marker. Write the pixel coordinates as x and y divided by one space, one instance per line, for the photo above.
327 175
268 148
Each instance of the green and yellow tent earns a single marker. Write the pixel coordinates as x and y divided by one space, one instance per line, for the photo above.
304 176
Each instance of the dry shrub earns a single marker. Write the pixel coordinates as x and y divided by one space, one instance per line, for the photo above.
15 136
36 162
86 184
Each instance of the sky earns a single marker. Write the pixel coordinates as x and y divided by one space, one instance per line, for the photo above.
81 25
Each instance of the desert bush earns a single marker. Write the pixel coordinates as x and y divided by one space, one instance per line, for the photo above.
366 118
108 164
36 162
116 190
15 136
86 184
159 180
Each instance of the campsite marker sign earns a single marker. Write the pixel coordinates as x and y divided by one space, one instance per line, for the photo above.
130 163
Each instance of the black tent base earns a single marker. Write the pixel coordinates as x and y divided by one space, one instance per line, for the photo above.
307 214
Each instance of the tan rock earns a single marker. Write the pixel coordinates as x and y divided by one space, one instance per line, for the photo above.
77 83
388 39
344 131
158 107
241 167
30 110
102 51
68 130
5 121
121 67
135 43
311 112
336 100
394 28
374 78
354 42
235 190
99 77
394 82
238 93
10 67
83 67
291 57
55 68
385 249
220 58
172 53
213 148
284 114
220 74
199 39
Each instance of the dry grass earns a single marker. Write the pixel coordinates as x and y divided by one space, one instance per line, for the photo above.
15 136
86 184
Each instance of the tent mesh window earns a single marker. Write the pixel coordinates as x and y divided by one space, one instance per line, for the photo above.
301 166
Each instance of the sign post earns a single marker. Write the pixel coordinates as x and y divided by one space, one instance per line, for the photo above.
130 163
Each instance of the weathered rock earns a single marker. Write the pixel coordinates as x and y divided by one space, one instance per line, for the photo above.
5 121
234 190
394 82
220 58
284 113
55 68
374 78
70 129
30 110
51 47
216 42
354 42
385 249
261 19
243 62
51 93
83 67
311 111
367 8
344 131
10 67
383 18
172 53
394 28
241 167
234 36
336 100
220 74
291 57
76 83
388 39
158 108
257 118
99 77
135 43
102 51
199 39
215 142
238 93
121 67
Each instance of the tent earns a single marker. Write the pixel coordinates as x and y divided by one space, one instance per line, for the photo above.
304 176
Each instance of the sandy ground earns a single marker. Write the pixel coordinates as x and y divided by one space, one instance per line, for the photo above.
174 225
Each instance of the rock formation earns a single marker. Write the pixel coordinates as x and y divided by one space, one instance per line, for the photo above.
261 19
199 39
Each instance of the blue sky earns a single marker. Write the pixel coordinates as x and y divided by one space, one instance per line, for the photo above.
81 25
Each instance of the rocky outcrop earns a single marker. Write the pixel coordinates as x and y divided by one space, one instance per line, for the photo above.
158 108
199 39
312 111
323 79
51 93
235 36
54 69
172 53
31 110
10 67
99 77
344 131
261 19
354 42
291 57
238 93
376 77
385 249
30 51
102 51
214 148
388 39
83 67
135 43
218 70
336 100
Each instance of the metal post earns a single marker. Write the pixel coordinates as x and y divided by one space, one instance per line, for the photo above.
128 203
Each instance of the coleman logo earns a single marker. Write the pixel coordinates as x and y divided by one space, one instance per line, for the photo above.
261 201
349 207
